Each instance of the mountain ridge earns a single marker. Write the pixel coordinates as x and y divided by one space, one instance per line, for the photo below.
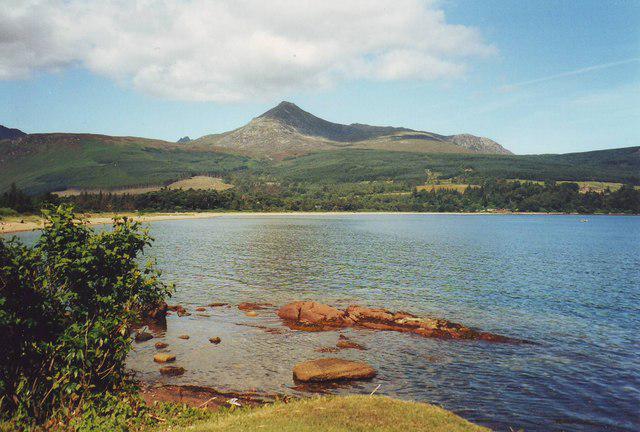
288 130
9 133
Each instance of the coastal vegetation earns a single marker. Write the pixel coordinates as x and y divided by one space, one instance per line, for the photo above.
68 304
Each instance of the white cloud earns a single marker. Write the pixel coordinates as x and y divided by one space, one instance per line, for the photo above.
237 49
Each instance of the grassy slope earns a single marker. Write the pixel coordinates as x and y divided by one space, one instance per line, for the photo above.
49 162
333 414
619 165
92 161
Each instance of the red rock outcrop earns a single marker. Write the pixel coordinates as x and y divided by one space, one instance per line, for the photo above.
313 316
317 316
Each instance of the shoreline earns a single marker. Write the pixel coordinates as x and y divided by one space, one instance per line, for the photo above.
17 224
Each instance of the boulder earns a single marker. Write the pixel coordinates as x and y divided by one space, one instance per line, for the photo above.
215 340
164 358
161 345
183 336
313 314
172 370
332 369
142 336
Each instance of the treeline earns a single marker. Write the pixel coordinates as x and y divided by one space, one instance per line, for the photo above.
491 195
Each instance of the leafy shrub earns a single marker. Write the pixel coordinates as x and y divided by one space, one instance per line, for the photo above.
67 306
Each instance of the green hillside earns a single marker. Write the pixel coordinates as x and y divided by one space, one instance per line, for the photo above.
52 162
618 165
49 162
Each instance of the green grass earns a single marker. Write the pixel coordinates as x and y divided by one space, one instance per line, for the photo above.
339 414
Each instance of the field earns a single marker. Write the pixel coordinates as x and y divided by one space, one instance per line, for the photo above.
196 182
459 187
586 186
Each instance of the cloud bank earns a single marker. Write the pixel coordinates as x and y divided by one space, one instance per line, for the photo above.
238 49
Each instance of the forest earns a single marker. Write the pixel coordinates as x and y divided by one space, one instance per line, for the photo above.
489 195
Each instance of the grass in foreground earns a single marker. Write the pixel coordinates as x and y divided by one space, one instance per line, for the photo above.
344 413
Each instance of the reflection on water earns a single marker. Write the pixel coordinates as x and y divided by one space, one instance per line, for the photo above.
572 287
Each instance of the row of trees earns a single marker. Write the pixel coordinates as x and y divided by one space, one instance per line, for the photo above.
381 196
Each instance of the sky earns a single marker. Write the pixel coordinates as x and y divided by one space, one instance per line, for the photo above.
540 76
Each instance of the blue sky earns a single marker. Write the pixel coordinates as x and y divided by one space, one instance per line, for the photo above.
538 76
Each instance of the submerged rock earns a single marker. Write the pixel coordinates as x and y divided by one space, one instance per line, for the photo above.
142 336
180 310
201 309
215 340
217 304
247 306
332 369
164 358
317 316
161 345
251 314
183 337
346 343
172 370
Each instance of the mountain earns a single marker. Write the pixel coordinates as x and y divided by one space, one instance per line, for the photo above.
287 130
7 133
184 139
287 144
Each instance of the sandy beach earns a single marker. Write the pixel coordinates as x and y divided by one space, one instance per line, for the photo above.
31 223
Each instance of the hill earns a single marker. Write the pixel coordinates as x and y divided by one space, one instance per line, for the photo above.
287 130
353 165
8 133
52 162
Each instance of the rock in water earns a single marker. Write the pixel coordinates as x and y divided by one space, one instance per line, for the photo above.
317 317
143 336
251 314
184 336
217 304
161 345
200 309
215 340
172 370
247 306
164 358
332 369
307 313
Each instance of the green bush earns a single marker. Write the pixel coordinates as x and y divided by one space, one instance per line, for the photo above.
67 306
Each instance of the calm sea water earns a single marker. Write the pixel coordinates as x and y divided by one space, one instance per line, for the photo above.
571 287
